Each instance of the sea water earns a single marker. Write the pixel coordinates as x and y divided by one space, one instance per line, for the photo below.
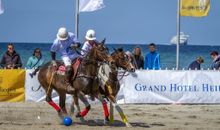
167 52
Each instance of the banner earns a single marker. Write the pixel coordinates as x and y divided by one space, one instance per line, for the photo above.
12 85
1 8
90 5
148 86
34 92
166 86
194 8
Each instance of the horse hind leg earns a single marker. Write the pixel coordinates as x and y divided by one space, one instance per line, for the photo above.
76 102
72 108
85 111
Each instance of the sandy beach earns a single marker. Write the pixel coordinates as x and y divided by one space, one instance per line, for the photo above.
35 116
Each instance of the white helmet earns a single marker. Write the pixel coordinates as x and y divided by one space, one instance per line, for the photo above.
90 35
62 34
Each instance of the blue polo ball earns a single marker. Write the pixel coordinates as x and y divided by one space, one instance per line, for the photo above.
67 121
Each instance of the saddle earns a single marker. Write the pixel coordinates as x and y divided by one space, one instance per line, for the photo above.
75 65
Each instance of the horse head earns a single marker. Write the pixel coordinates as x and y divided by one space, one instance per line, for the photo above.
121 60
101 52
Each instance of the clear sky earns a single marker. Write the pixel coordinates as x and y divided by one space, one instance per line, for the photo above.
122 21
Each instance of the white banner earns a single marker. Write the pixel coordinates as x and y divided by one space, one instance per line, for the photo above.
35 93
165 86
162 86
90 5
1 8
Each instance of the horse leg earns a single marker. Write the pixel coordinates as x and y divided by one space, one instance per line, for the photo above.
111 113
105 108
76 101
62 103
72 108
120 111
51 103
85 111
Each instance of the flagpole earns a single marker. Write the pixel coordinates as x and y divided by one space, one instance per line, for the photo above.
178 35
77 19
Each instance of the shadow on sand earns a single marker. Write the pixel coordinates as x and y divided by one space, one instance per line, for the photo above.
117 123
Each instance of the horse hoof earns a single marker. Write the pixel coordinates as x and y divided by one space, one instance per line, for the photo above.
128 125
106 121
78 115
61 117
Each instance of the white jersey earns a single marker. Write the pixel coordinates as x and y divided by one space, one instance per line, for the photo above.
64 48
86 48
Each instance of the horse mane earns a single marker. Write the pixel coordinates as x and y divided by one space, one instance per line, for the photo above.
117 50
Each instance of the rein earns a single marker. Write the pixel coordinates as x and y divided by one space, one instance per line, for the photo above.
116 74
85 61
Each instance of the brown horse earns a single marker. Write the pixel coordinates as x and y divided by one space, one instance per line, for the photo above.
85 79
109 84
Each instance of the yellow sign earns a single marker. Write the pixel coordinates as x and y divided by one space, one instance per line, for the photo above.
12 85
194 8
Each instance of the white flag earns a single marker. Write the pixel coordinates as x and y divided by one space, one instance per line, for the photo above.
90 5
1 8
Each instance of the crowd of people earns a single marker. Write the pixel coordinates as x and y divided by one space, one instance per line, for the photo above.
151 61
215 65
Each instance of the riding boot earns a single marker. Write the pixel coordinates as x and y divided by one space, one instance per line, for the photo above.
69 87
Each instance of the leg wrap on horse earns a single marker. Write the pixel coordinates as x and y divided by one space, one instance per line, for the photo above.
105 108
85 111
121 113
54 105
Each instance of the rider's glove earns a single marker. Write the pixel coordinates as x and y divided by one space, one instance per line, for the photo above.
75 45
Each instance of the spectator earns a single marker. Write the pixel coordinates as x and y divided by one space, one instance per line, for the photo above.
138 58
11 59
35 60
152 59
216 60
196 65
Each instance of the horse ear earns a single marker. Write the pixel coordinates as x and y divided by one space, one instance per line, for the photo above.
103 41
120 49
115 49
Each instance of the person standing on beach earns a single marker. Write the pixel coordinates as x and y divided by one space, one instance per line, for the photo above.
65 44
196 65
90 42
152 59
35 61
216 60
11 59
138 58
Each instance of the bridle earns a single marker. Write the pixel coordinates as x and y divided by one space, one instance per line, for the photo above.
88 61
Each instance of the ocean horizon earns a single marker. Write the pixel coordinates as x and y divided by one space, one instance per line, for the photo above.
188 53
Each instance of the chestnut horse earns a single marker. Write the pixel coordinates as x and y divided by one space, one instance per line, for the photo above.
86 78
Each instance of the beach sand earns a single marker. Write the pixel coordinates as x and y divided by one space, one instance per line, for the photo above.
36 116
